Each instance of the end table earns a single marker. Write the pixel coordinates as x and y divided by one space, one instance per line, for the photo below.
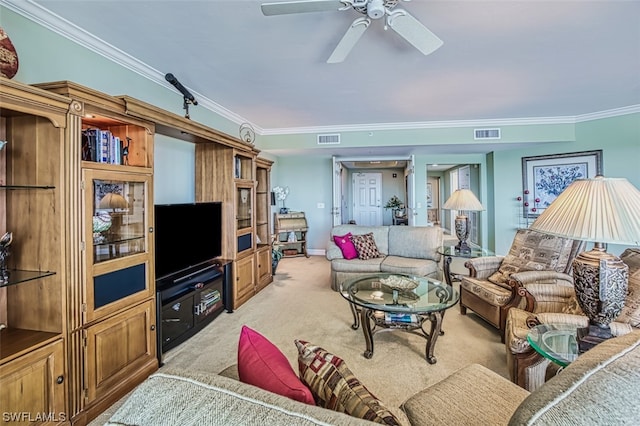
449 252
556 342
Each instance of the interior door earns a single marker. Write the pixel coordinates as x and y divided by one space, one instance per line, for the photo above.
336 209
367 198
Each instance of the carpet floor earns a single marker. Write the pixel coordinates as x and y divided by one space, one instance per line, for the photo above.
300 304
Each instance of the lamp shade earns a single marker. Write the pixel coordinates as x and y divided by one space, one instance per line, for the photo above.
113 201
605 210
463 199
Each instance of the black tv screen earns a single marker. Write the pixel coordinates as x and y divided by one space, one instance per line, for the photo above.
186 235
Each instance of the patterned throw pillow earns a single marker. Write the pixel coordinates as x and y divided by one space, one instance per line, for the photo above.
346 245
366 246
261 364
335 387
533 251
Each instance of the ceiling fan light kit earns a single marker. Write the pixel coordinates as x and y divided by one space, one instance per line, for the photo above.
399 20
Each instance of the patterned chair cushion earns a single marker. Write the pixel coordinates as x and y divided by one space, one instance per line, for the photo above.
631 311
366 246
534 251
495 295
335 387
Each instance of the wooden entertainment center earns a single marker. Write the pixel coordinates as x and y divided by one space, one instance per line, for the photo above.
79 307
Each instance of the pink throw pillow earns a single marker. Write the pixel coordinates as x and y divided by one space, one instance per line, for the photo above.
261 364
346 245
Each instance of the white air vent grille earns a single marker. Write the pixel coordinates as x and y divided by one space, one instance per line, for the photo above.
329 139
486 134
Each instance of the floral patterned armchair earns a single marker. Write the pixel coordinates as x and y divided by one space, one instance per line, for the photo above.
534 259
550 305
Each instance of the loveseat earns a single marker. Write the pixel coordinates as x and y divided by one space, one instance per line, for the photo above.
408 250
599 388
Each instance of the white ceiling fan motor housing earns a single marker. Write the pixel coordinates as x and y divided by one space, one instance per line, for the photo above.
375 9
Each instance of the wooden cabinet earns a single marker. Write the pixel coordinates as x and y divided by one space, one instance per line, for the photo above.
230 172
291 233
111 297
35 207
264 274
33 387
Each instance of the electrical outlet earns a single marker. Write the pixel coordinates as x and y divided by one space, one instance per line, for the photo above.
321 205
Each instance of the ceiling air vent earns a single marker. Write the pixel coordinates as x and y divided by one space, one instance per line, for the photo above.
486 134
329 139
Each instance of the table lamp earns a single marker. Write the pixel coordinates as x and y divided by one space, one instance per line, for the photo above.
462 200
115 203
600 210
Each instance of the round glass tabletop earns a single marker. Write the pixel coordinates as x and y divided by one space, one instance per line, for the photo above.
556 342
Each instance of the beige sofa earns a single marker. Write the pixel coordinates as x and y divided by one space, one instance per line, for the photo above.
600 388
405 249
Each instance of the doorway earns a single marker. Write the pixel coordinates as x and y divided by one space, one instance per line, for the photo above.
367 198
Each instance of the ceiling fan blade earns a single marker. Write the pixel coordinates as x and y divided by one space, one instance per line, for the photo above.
301 6
349 40
413 31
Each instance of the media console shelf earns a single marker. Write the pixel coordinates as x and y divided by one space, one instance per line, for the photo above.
188 301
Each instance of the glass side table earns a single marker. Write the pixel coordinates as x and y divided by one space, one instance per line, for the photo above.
449 252
556 342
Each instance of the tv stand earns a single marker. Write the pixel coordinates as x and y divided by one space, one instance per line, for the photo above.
189 300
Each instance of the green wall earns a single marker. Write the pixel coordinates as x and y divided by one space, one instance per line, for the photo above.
47 56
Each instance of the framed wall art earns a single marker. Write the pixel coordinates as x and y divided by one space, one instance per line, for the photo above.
544 177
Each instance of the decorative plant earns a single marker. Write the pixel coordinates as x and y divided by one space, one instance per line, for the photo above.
394 203
281 193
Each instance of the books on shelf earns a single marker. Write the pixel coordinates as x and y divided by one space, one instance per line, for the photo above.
101 146
391 317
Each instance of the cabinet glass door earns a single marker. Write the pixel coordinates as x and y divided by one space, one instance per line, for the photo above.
118 219
244 207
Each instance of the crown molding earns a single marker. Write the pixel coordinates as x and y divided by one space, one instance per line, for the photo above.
61 26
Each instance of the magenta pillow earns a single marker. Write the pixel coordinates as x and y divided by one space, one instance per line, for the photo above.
346 245
261 364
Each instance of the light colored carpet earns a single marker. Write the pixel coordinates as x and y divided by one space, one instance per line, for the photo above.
300 304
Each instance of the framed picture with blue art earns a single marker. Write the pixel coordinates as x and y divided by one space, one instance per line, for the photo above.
544 177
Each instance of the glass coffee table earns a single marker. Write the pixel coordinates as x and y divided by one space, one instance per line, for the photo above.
397 301
556 342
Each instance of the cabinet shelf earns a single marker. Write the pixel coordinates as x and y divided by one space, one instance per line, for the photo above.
17 341
17 276
17 187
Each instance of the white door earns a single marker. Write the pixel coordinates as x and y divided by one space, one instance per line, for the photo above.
336 209
367 198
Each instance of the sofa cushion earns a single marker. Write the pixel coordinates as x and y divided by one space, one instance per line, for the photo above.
366 246
600 388
346 246
631 310
473 395
534 251
357 265
493 294
260 363
336 388
409 266
416 242
192 398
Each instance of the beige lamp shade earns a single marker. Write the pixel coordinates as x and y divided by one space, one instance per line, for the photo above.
463 199
113 201
606 210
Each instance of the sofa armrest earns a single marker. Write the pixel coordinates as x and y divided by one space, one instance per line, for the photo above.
333 251
472 395
483 267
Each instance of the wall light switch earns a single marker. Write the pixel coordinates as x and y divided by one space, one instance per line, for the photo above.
321 205
419 205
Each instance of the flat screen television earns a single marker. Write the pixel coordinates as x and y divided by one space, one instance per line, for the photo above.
186 235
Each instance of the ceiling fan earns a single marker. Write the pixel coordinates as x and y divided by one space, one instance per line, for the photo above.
397 19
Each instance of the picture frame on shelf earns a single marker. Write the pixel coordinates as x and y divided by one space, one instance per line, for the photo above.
544 177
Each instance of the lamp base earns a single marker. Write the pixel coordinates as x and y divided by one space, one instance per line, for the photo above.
462 247
588 337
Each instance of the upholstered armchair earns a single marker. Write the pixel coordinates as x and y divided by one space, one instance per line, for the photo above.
534 259
526 367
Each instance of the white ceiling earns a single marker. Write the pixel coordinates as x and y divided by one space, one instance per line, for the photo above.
500 59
